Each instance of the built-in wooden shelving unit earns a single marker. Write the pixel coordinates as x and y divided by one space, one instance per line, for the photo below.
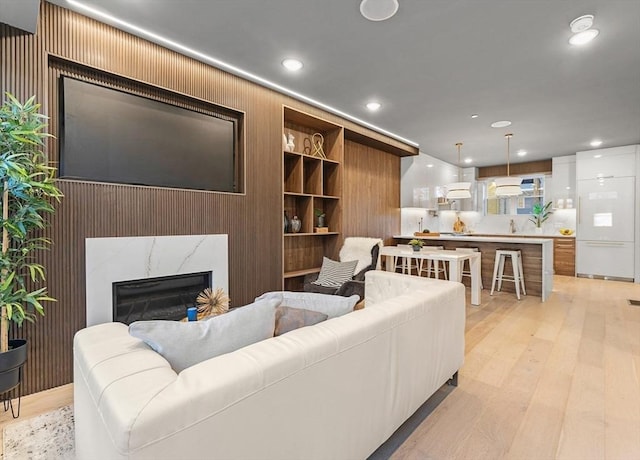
311 182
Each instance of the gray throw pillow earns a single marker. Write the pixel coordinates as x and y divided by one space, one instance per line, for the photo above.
184 344
335 274
330 305
288 319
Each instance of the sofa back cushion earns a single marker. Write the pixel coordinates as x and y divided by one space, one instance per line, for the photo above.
330 305
184 344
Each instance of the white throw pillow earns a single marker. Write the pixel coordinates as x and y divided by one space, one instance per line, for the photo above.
184 344
330 305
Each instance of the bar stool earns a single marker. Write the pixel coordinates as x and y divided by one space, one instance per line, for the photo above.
432 265
405 264
464 272
518 273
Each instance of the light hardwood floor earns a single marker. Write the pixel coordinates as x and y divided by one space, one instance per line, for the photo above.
559 379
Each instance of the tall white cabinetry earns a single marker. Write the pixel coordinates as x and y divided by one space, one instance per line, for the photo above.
606 236
563 184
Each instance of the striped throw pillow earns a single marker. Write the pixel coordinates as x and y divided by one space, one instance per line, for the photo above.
335 274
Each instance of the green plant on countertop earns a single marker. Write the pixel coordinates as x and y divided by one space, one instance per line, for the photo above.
28 189
540 213
414 242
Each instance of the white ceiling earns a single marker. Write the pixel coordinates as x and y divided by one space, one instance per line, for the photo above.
432 65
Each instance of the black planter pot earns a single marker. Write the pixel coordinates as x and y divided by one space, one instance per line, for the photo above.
11 363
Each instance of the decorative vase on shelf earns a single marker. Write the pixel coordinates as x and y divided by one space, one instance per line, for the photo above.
296 224
287 223
284 142
538 230
321 220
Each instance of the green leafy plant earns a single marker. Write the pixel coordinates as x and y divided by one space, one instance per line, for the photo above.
416 242
29 191
540 213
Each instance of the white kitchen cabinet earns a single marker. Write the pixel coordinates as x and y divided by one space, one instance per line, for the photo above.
563 183
612 162
606 259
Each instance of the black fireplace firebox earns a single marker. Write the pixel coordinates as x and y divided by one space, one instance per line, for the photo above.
166 297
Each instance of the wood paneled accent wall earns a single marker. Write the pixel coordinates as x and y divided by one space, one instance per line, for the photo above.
252 220
530 167
371 203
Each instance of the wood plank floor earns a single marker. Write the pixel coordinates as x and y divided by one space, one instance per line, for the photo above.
553 380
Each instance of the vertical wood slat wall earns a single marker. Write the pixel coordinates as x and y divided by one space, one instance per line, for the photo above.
253 220
371 198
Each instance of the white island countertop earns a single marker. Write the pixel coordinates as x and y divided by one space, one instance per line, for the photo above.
486 239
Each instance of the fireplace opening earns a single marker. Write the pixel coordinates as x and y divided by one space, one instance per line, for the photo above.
166 297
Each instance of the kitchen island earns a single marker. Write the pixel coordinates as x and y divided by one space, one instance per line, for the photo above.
537 257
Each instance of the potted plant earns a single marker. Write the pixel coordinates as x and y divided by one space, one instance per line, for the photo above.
416 244
321 217
540 214
28 189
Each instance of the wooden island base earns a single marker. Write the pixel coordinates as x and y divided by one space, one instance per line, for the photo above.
537 259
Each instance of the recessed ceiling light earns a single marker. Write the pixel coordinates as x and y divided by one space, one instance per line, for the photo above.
568 188
582 23
378 10
595 143
522 153
468 160
501 124
583 38
597 156
429 165
373 106
475 115
292 64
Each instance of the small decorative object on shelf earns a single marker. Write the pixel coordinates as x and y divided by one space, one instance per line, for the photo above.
318 141
287 223
284 142
192 314
296 224
291 143
416 244
321 217
306 146
321 229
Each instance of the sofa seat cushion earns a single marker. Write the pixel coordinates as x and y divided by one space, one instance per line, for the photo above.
184 344
288 319
330 305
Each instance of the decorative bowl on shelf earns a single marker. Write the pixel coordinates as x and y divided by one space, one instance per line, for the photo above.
566 231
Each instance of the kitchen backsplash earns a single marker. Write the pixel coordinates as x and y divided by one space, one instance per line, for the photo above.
475 222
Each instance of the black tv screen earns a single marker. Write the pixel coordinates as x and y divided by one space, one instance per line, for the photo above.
108 135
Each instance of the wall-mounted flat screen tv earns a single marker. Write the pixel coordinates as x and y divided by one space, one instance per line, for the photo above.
108 135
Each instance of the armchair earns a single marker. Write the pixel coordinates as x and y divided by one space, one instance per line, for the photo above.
365 251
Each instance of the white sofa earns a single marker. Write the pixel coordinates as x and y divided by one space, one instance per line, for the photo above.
335 390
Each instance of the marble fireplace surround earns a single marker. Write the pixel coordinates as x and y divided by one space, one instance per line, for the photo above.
110 260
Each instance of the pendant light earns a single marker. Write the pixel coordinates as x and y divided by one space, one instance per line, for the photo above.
458 190
509 185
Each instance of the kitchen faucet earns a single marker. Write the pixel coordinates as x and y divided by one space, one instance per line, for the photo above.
512 226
